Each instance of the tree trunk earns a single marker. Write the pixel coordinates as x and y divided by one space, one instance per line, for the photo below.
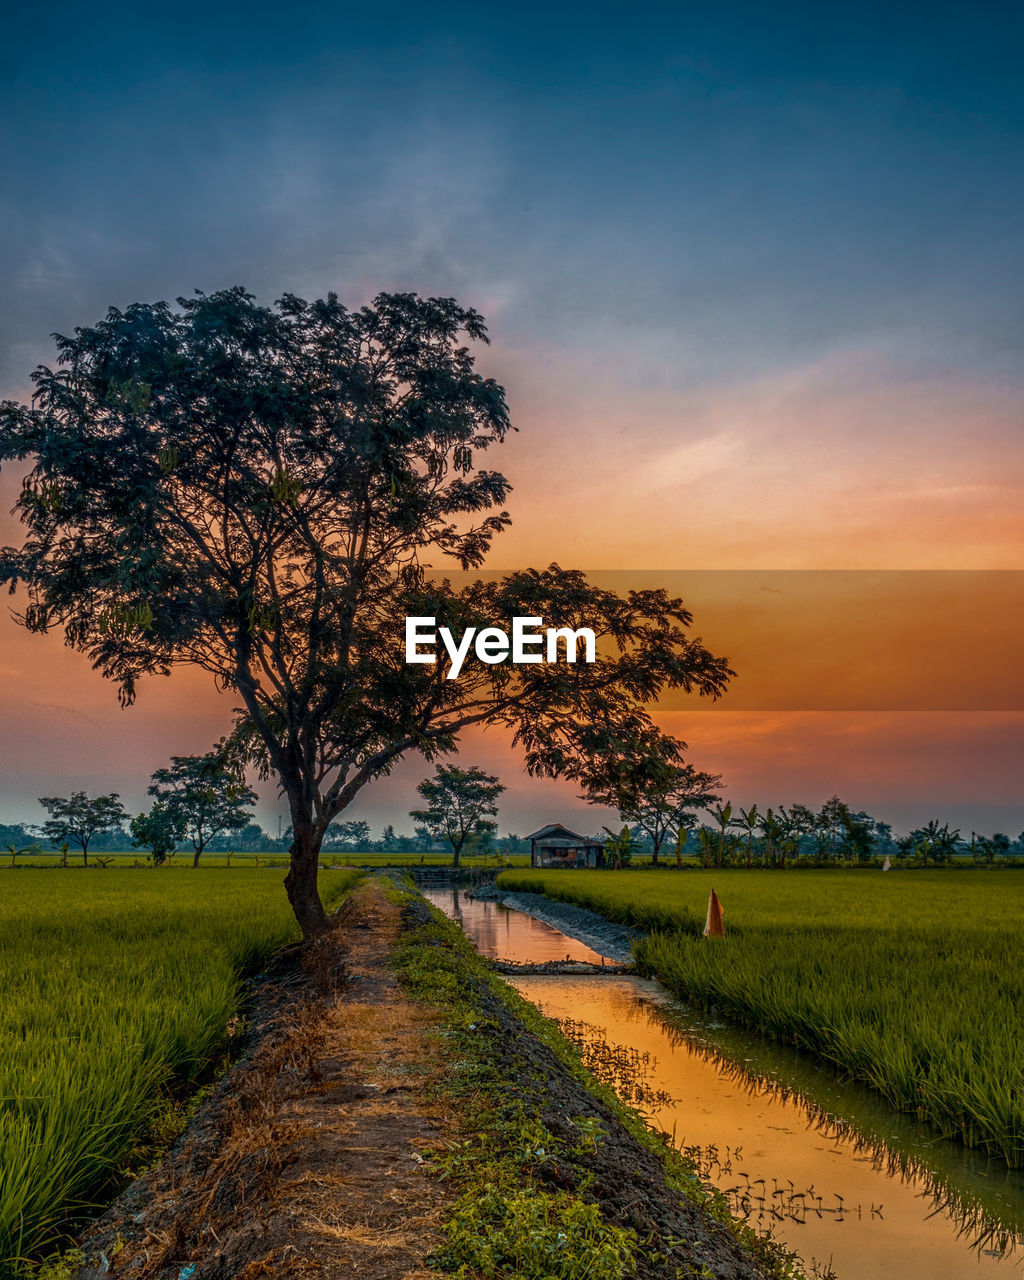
85 854
195 859
301 881
456 852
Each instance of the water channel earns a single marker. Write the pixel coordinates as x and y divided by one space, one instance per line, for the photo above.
824 1164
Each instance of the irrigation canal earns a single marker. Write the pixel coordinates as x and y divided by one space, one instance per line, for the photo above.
826 1165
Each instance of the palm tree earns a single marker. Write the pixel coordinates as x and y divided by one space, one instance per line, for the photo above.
706 839
682 835
773 830
722 814
749 818
620 846
938 841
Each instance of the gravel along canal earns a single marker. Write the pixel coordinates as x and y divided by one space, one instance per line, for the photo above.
827 1166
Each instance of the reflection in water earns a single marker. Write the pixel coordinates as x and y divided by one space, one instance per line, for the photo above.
502 934
906 1204
826 1165
982 1198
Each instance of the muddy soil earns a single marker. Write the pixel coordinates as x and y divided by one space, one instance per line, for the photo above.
305 1162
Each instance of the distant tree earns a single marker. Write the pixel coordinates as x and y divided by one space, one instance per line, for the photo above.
831 822
620 847
708 844
722 814
348 836
932 841
77 818
159 831
679 843
423 840
207 798
459 803
802 822
253 839
986 849
116 838
647 781
772 826
884 841
16 834
749 819
859 836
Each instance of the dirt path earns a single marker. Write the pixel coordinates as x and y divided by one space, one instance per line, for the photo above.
305 1162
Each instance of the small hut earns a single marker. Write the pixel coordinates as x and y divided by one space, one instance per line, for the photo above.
557 846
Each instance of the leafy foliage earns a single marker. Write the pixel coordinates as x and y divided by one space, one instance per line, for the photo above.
650 785
159 831
78 818
461 804
204 797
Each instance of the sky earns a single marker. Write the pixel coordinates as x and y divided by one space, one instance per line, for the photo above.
753 276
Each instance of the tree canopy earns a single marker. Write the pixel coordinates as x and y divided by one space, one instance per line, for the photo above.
460 804
647 780
77 818
159 831
262 491
203 797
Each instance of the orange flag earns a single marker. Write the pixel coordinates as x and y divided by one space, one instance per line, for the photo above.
714 928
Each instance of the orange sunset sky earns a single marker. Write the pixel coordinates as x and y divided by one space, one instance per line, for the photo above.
901 691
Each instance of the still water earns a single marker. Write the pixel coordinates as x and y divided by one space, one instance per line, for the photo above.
825 1165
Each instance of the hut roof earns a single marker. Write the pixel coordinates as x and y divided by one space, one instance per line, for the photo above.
555 834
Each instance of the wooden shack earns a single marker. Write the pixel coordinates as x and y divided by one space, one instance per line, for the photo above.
557 846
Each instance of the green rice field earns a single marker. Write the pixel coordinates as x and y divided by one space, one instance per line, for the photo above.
911 982
233 861
117 987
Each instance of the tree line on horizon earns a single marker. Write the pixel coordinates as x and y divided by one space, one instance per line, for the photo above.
201 806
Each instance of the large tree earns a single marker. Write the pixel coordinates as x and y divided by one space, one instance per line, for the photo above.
75 819
205 797
460 804
258 491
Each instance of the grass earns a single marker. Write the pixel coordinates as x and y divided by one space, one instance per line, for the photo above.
913 984
237 861
116 991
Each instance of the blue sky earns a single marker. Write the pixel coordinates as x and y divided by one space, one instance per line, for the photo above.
704 195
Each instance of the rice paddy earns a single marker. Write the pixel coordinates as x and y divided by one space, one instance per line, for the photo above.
117 988
910 982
